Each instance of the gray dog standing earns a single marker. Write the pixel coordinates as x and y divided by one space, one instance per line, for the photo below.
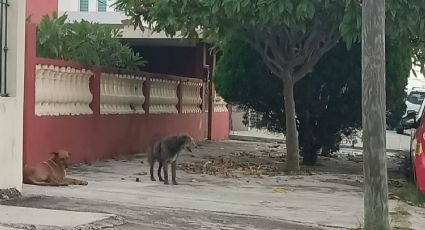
166 152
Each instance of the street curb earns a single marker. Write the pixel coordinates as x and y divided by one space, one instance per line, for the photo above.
256 139
280 141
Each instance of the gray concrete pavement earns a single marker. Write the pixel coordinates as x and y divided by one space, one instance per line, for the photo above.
7 228
25 216
330 198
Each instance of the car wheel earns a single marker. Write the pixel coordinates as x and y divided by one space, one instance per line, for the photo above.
413 168
410 168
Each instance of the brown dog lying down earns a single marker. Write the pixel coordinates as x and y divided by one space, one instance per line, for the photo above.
51 172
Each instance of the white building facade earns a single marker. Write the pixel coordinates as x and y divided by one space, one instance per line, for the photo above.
101 11
11 95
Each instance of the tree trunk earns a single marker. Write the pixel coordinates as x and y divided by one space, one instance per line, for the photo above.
373 109
307 140
292 155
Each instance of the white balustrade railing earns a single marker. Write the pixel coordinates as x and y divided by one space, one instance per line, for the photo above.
163 96
62 91
121 94
219 104
191 97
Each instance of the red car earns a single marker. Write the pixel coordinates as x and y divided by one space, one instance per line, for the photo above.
416 122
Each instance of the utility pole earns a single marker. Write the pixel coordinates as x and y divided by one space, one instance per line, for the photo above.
373 114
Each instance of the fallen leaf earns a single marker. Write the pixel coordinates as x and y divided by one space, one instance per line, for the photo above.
279 190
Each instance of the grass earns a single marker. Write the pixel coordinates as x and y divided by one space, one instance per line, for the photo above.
410 194
403 153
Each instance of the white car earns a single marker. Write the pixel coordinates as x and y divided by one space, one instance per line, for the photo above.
414 100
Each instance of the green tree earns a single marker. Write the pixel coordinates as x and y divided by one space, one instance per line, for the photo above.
291 36
85 43
328 101
398 65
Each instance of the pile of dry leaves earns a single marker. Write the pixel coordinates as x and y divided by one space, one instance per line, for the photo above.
229 168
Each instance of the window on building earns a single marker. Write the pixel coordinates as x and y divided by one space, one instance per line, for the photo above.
84 5
101 5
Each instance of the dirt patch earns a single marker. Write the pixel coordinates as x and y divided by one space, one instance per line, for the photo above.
229 168
233 168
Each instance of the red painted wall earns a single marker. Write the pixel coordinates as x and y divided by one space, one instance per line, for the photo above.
90 137
220 126
38 8
101 136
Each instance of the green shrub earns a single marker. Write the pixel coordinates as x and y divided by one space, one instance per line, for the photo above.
85 43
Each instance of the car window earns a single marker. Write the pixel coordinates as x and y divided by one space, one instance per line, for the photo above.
416 97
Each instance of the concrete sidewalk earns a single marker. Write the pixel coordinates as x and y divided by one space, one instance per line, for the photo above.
7 228
20 217
331 198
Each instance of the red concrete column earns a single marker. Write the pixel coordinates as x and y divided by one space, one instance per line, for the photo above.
146 93
95 90
202 92
179 96
29 85
36 9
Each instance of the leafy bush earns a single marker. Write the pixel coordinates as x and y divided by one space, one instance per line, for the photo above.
328 101
85 43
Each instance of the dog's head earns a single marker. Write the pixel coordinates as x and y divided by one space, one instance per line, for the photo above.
189 143
61 157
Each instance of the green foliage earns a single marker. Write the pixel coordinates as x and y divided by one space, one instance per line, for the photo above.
85 43
218 18
51 35
405 21
328 101
398 66
410 193
290 35
241 78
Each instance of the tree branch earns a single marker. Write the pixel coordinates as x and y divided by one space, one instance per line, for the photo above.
308 45
276 52
315 57
271 63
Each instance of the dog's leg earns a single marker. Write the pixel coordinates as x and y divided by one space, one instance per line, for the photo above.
55 181
45 183
71 181
151 171
165 167
159 172
173 172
